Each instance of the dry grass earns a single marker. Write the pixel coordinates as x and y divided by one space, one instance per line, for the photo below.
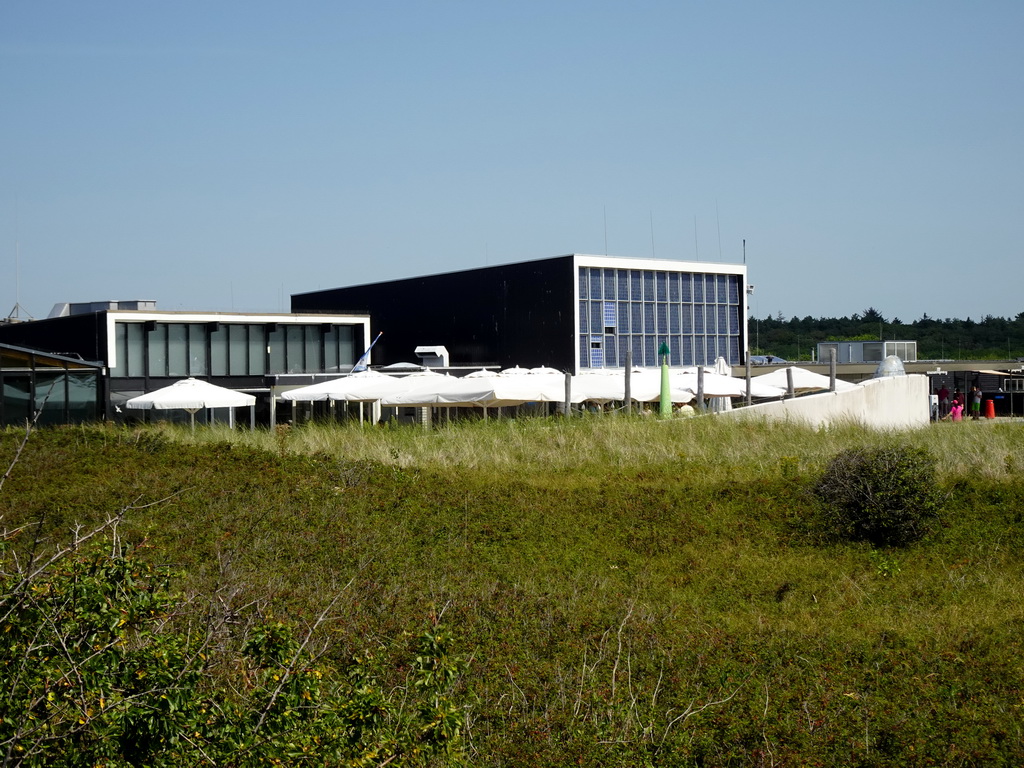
744 450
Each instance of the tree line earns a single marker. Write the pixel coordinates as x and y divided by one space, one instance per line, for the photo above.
991 338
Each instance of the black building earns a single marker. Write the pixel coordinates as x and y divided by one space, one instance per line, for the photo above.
573 312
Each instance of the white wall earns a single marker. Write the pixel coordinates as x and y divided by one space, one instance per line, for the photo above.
895 402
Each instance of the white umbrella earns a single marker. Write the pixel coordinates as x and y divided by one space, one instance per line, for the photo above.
644 387
324 390
191 395
716 385
483 390
803 380
367 386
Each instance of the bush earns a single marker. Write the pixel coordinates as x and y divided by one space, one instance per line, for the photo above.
885 496
101 664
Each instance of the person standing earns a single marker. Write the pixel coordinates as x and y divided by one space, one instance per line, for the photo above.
975 403
956 410
943 394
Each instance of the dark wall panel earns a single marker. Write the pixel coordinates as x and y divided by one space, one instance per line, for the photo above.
516 314
81 335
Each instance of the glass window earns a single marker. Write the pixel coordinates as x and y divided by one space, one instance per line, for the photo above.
650 351
710 320
584 283
51 396
257 350
294 346
635 291
596 317
276 342
673 318
662 310
609 350
637 312
609 283
698 289
157 340
197 349
82 397
346 346
15 405
177 350
673 287
688 351
675 355
623 276
623 348
623 317
584 351
661 280
134 348
686 317
584 318
314 347
120 351
649 285
686 288
650 325
638 349
734 319
331 349
238 350
609 317
219 351
734 289
698 318
595 283
699 355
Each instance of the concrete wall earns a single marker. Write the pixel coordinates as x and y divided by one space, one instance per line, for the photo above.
895 402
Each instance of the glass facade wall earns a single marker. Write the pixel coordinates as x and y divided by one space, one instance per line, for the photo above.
60 390
175 350
696 314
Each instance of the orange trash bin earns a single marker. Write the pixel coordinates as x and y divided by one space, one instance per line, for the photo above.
990 409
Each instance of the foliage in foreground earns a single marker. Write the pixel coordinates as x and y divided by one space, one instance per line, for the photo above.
103 665
663 601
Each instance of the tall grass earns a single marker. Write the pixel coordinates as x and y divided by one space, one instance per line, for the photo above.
629 591
743 449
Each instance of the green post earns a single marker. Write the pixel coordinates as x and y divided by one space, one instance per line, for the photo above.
666 404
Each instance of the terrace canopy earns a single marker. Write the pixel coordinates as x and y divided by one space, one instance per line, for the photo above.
803 381
366 386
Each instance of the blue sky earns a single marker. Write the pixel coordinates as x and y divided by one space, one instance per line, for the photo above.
224 155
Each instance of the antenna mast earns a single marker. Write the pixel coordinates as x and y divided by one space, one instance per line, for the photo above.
18 313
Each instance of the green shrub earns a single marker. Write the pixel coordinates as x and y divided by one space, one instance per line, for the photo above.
886 496
101 664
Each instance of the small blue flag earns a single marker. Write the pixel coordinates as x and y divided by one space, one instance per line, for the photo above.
363 362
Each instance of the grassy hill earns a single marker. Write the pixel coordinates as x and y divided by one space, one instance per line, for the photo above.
625 591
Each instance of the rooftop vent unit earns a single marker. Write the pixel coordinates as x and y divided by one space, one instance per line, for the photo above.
433 357
64 309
